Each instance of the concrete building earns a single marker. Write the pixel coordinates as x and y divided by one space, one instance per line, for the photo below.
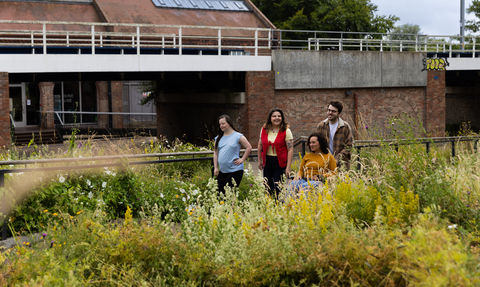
206 58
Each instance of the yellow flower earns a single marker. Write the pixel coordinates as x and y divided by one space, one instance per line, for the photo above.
55 214
221 202
46 210
176 195
191 213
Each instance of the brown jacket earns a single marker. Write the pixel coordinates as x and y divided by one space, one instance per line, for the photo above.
342 140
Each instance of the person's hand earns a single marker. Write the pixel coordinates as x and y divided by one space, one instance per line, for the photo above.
288 170
238 161
260 165
215 172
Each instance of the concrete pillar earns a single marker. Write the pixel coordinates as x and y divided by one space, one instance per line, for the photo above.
46 103
5 107
435 103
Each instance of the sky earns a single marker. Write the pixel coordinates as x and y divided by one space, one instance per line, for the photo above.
435 17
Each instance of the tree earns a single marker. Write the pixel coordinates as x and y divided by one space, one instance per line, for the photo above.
326 15
405 32
474 8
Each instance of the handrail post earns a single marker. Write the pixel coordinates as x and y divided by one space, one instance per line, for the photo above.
427 145
256 42
453 148
93 40
303 148
219 41
138 40
180 41
44 38
4 225
359 165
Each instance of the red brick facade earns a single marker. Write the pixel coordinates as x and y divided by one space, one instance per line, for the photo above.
435 110
5 107
305 108
102 103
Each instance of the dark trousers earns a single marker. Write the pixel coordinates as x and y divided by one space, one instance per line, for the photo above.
273 174
226 179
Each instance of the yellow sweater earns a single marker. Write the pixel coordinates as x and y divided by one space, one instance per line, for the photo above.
317 164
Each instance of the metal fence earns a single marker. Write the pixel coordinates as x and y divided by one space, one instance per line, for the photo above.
44 37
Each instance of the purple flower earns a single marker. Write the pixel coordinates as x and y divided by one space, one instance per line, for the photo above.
44 235
366 127
251 184
79 145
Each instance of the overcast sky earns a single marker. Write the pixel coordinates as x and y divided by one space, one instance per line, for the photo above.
435 17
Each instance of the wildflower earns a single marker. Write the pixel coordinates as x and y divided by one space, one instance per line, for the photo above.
182 190
191 213
184 199
113 174
108 172
44 235
161 195
176 195
89 183
195 192
221 202
46 210
366 127
55 214
452 226
90 195
104 184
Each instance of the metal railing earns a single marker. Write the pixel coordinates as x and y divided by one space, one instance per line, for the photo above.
136 37
449 45
127 118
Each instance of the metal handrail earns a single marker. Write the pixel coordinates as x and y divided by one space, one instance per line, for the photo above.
13 122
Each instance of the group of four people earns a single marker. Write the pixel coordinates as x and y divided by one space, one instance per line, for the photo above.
329 146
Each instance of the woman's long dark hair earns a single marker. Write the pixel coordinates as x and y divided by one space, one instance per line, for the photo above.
322 140
268 125
220 132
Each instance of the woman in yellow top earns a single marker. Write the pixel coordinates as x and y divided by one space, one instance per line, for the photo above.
317 165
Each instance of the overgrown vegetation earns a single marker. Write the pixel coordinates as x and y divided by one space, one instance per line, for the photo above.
399 218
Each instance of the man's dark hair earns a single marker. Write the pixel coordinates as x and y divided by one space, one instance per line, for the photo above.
337 105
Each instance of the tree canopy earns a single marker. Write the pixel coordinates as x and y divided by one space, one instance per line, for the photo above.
326 15
474 8
405 29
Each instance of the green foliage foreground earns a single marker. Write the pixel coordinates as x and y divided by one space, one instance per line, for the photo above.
404 219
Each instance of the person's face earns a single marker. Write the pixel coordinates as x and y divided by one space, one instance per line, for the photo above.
332 113
223 124
314 144
276 118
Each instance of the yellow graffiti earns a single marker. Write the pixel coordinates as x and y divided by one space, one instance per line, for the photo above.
437 64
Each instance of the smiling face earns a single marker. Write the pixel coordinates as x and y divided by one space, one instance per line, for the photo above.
332 114
276 119
223 124
314 144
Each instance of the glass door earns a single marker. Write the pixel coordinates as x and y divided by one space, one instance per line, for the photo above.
17 104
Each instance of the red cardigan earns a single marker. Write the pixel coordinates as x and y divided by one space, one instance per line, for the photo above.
279 145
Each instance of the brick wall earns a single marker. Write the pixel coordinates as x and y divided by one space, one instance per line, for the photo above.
117 103
435 101
5 107
46 102
259 100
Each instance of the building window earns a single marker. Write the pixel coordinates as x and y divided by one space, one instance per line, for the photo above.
75 97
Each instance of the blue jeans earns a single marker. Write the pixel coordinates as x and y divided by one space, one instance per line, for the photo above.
304 185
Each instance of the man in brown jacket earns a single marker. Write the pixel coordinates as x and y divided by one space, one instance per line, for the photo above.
338 133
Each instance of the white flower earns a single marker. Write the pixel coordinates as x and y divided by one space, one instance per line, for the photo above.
188 196
452 226
195 192
121 202
108 172
90 195
104 184
182 190
89 183
114 174
61 179
161 195
184 199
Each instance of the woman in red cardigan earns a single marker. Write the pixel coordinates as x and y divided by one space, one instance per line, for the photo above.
275 149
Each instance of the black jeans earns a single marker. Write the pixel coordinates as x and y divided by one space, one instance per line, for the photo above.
273 173
226 179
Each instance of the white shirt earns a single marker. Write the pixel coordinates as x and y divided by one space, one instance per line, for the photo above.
333 129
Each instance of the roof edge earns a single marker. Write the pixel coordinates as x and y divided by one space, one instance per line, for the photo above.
259 14
100 11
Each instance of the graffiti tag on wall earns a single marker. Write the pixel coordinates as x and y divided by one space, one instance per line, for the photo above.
344 60
438 64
